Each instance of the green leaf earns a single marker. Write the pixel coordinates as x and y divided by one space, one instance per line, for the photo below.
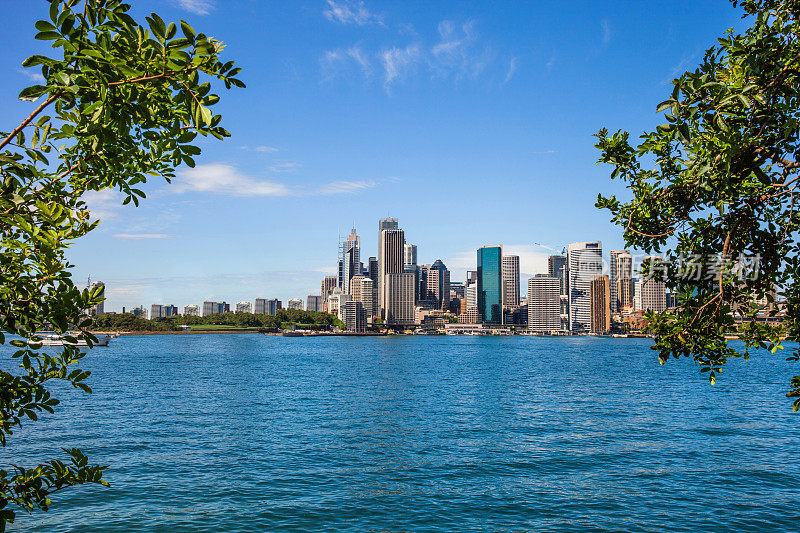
31 93
188 31
47 36
43 25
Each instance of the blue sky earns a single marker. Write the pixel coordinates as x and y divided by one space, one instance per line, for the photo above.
471 122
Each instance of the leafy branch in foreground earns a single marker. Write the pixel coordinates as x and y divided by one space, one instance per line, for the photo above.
127 103
718 181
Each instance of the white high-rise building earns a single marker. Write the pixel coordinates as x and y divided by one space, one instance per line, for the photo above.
410 254
244 307
584 264
390 261
510 280
98 309
544 304
471 295
191 310
621 272
295 303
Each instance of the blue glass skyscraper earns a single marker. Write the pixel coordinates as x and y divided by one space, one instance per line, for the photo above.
490 284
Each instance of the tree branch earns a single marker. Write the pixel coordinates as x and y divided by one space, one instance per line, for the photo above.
50 100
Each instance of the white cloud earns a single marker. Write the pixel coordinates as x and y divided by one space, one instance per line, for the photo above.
285 166
350 12
512 68
35 77
341 59
262 148
457 52
550 63
104 204
198 7
225 179
606 31
397 62
140 236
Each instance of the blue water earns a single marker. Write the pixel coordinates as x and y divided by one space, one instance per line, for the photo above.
259 433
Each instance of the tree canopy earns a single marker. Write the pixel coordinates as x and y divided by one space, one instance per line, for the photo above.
121 103
713 190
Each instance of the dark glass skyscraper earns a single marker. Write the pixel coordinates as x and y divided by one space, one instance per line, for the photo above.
490 284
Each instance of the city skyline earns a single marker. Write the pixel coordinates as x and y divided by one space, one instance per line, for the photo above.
391 113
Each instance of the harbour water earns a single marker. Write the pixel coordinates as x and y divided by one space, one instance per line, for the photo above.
261 433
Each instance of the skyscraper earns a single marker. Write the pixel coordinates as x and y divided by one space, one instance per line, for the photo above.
621 274
372 269
601 309
399 299
410 254
510 281
650 294
544 304
98 309
490 284
313 302
353 315
555 265
390 261
557 268
584 264
438 284
349 260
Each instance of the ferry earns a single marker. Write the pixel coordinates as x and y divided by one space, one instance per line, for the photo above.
54 339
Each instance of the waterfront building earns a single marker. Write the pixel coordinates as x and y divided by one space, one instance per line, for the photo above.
410 254
141 312
191 310
170 310
354 316
438 285
295 303
419 291
369 297
314 303
399 298
510 281
621 270
390 261
649 295
336 299
601 307
490 284
260 306
99 308
544 304
349 260
471 295
244 307
273 306
156 311
584 264
557 268
469 316
211 308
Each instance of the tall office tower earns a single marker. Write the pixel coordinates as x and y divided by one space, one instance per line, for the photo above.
98 309
601 307
410 254
210 308
244 307
625 291
295 303
327 285
386 223
490 284
417 271
399 299
364 292
390 261
621 273
471 296
191 310
273 305
438 284
544 304
170 310
650 294
260 307
156 311
314 303
372 269
584 264
349 260
354 316
472 277
555 265
510 281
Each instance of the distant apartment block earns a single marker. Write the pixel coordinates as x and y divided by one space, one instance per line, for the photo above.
314 303
544 304
212 308
191 310
244 307
510 281
399 299
601 304
295 303
354 317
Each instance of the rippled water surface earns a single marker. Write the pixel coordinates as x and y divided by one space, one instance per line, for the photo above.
260 433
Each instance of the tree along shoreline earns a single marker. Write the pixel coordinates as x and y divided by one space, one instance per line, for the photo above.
219 323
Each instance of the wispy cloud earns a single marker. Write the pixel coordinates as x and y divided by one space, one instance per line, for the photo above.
104 204
333 60
140 236
512 68
262 148
457 52
285 166
350 12
397 62
225 179
539 152
198 7
606 31
550 63
32 75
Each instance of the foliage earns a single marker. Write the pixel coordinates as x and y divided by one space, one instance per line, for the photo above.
129 322
127 103
282 320
716 183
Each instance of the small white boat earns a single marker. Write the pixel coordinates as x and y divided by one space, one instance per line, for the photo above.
54 339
